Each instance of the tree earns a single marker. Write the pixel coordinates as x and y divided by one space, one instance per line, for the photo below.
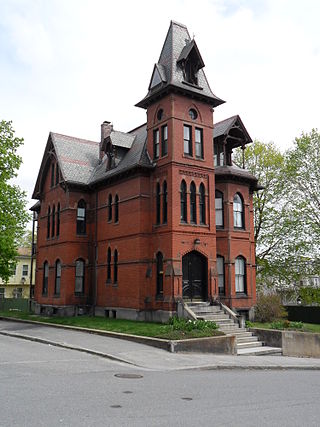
13 216
281 247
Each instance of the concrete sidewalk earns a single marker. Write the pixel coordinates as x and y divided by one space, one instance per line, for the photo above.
144 356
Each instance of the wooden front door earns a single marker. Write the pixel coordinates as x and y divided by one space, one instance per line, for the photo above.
194 276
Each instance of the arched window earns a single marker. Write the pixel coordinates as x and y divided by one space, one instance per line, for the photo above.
220 271
193 203
219 209
202 204
57 278
116 208
58 220
158 202
240 275
79 277
109 265
110 207
238 212
53 220
159 259
115 266
183 201
45 278
48 222
165 203
57 174
81 217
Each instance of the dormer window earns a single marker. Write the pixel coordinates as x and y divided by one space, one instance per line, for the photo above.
191 62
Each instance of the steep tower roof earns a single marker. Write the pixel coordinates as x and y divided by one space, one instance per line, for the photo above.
180 69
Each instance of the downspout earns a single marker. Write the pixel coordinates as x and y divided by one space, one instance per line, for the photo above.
94 302
32 257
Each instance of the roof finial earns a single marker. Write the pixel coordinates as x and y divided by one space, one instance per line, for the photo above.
193 36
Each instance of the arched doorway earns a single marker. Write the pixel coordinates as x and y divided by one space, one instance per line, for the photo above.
194 276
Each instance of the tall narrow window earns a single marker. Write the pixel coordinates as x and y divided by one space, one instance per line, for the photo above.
238 217
116 208
187 140
53 221
165 203
220 271
115 266
199 143
57 174
159 273
45 278
57 278
164 140
52 175
79 278
218 154
202 204
156 144
58 220
81 217
193 203
183 201
110 207
109 265
48 222
158 203
240 275
219 209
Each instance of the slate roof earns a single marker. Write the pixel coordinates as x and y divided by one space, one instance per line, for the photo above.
121 139
223 128
77 157
176 46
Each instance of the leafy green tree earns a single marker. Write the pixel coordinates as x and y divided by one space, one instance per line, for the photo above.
13 216
281 247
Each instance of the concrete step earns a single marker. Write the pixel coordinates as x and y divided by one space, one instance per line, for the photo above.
260 351
242 345
212 314
224 321
247 339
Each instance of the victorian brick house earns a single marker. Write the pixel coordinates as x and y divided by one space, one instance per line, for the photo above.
141 220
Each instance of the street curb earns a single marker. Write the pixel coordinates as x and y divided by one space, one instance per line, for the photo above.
69 347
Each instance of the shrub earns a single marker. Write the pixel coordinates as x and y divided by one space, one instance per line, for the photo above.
285 324
181 324
269 308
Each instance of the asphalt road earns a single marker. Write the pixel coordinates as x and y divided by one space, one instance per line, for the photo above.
43 385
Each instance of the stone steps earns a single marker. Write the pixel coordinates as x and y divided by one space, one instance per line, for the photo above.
247 343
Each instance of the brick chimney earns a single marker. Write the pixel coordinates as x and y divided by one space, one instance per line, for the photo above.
106 129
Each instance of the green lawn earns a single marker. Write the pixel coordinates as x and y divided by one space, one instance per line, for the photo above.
307 327
147 329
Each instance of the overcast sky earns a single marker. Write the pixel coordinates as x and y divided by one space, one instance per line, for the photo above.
68 65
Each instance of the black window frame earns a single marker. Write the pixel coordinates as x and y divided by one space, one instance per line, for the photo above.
202 204
81 219
164 140
52 175
115 266
57 280
57 174
183 202
79 290
193 203
116 208
110 207
156 144
58 220
199 144
109 265
217 195
45 278
221 274
187 142
164 202
48 222
53 220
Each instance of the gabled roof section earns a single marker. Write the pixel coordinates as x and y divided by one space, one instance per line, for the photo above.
121 139
233 130
76 158
177 48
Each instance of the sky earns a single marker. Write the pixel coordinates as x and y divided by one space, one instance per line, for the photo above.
68 65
